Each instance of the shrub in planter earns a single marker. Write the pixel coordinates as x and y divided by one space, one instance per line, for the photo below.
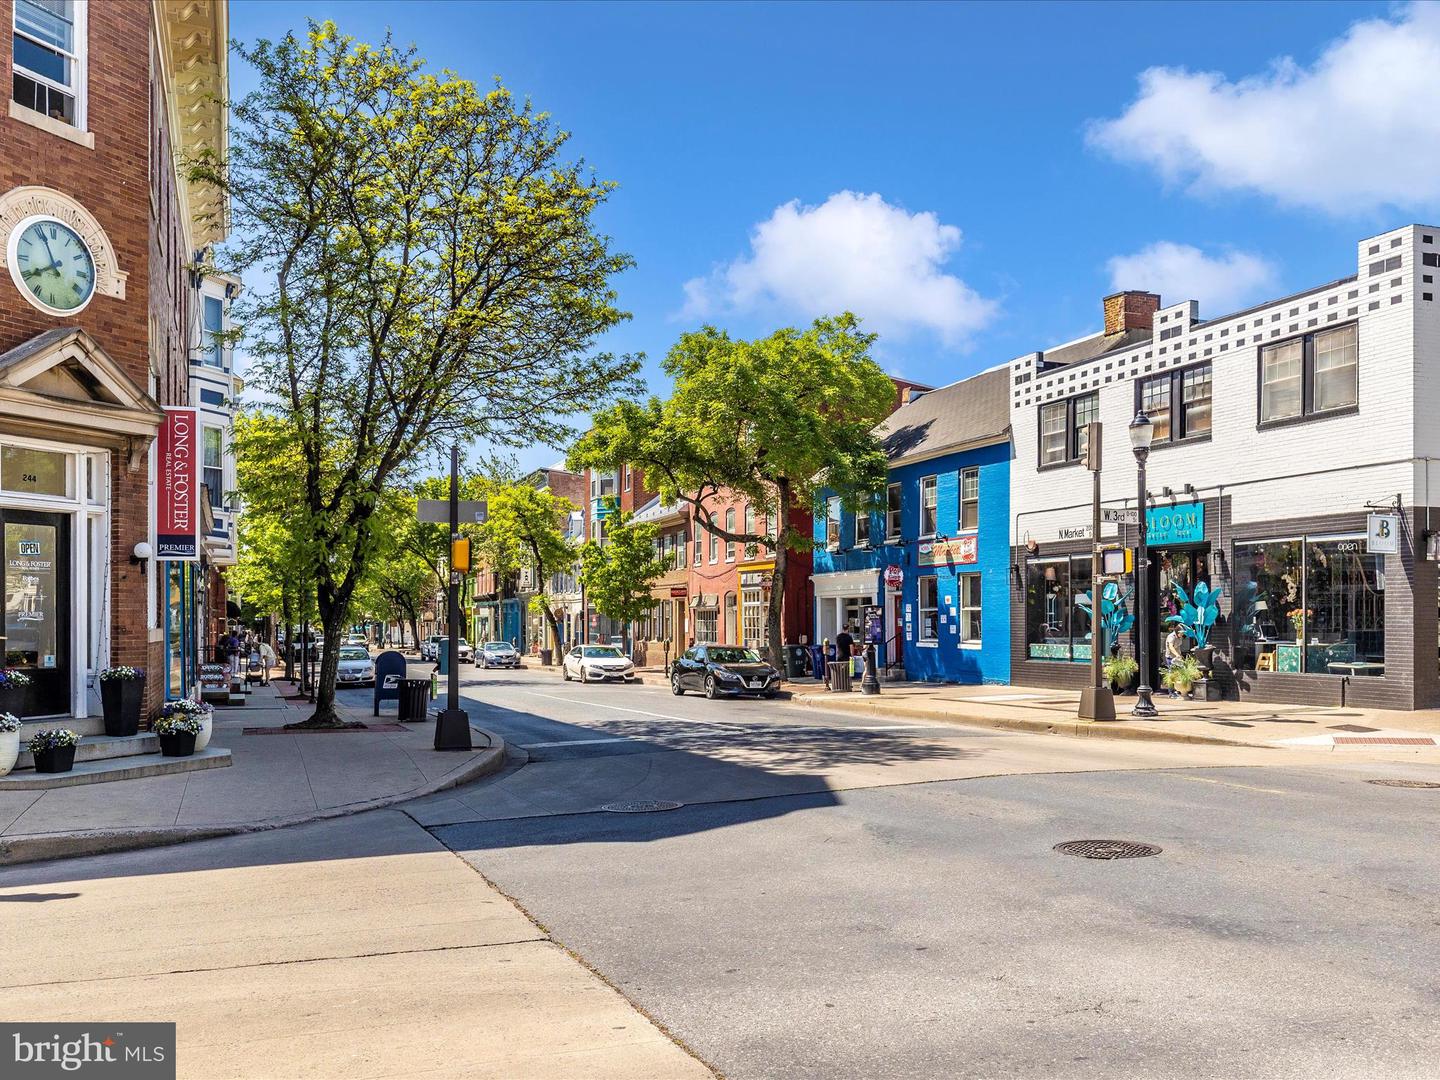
1120 671
179 724
122 693
9 741
54 750
1182 675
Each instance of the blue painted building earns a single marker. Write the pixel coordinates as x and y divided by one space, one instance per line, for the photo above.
932 568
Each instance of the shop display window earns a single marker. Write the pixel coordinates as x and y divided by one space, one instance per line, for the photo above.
1055 628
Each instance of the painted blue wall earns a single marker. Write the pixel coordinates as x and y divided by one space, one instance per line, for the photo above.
945 659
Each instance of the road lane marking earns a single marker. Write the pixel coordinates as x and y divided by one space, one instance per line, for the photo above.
1230 783
617 708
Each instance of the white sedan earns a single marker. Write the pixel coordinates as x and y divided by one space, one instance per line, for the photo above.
354 668
597 663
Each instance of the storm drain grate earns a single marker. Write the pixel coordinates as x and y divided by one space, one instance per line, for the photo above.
1404 783
1107 849
641 806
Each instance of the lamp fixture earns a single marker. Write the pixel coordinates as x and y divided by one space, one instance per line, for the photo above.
1142 431
140 554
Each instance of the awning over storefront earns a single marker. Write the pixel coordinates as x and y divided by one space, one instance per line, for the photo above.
705 600
847 583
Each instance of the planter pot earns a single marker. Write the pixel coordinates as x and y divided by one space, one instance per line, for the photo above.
177 744
1205 657
121 700
56 759
9 750
203 739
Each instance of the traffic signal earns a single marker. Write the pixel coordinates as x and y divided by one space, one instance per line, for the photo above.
1090 456
460 555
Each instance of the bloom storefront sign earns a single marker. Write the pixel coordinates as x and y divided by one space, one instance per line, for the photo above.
177 525
1182 524
954 552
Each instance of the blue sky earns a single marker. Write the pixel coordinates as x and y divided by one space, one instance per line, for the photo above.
971 179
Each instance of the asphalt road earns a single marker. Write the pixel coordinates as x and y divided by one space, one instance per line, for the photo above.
841 897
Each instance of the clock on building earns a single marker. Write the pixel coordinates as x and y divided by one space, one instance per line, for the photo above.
52 265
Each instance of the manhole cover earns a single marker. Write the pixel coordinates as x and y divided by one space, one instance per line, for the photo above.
1404 783
641 806
1107 849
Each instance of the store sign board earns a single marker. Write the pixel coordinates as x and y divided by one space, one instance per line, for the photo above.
894 577
1382 534
958 551
1181 524
177 524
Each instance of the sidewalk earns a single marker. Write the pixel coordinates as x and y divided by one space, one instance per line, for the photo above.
1227 723
276 779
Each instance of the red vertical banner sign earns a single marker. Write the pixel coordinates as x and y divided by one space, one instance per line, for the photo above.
177 510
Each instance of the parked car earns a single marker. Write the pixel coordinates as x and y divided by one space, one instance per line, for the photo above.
354 667
357 639
430 647
718 670
498 654
597 663
467 654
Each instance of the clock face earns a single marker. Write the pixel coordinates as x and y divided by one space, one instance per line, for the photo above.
53 265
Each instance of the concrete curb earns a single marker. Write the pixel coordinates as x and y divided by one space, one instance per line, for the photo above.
1101 729
70 845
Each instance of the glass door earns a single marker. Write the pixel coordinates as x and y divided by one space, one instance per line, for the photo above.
37 608
1169 567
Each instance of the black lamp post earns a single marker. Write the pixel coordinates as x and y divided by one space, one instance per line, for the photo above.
1141 432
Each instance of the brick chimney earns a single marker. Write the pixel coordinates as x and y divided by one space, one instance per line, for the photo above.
1130 311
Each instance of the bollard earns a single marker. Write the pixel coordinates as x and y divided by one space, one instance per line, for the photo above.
870 684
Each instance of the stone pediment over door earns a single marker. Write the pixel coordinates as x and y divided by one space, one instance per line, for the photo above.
62 385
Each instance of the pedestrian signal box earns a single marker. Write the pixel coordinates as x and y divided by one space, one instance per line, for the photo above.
1116 561
460 555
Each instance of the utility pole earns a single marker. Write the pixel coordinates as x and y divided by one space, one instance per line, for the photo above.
1096 700
452 724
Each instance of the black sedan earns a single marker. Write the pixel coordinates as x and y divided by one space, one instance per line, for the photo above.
723 669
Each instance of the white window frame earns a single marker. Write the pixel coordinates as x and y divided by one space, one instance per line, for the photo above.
79 60
933 485
217 498
832 523
862 536
969 640
894 516
921 609
730 528
714 549
972 473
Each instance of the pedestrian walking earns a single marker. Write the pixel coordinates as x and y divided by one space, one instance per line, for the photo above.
267 661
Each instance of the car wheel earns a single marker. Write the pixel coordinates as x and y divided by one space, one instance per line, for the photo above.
564 673
711 690
770 695
675 687
584 678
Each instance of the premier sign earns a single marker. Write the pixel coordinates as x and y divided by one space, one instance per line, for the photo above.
177 524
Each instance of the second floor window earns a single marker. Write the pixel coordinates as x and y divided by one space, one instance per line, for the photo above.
832 523
892 513
970 498
1064 428
214 467
928 505
212 346
48 58
1178 403
1316 373
730 528
862 526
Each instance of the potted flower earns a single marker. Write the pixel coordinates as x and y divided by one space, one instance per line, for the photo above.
1182 675
179 726
122 693
54 750
1119 671
1297 617
13 679
9 741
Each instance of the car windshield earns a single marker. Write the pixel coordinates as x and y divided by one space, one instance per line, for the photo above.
602 652
496 646
353 652
732 656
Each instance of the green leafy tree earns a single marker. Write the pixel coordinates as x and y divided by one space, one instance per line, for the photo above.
424 271
525 527
618 573
773 420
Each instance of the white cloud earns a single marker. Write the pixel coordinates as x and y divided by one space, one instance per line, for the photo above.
855 253
1221 283
1356 131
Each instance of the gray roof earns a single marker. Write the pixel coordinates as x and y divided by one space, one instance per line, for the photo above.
1093 346
36 345
972 412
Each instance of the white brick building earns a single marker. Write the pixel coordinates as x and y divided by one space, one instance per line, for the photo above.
1278 429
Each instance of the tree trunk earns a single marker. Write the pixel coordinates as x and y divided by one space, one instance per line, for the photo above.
287 612
776 648
414 631
332 615
555 636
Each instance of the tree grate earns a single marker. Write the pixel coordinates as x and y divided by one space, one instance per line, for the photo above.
1404 783
1107 849
641 806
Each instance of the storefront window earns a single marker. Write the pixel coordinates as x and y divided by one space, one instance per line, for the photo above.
970 608
35 472
707 625
1310 606
754 607
1055 628
929 628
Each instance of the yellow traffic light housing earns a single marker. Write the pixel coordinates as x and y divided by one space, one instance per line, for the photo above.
460 555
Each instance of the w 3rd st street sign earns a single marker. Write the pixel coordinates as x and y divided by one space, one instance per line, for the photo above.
437 511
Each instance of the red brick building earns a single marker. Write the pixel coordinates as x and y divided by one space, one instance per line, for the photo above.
100 238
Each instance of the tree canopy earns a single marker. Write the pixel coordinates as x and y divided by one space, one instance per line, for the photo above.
525 526
618 573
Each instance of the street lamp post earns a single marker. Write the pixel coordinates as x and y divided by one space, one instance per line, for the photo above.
1141 432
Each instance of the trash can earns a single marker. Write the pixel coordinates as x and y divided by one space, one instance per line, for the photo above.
797 661
546 657
414 700
840 676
